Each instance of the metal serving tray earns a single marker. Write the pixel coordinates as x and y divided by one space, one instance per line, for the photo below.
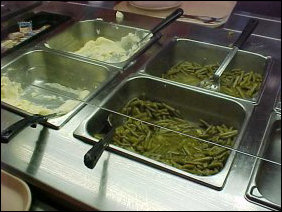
193 105
37 67
77 35
38 20
205 53
265 184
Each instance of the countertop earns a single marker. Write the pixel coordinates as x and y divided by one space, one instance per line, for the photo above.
52 160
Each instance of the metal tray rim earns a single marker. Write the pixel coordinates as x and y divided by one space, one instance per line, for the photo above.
216 181
275 116
175 39
267 68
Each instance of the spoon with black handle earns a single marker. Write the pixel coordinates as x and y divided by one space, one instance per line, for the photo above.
164 23
214 82
14 129
92 156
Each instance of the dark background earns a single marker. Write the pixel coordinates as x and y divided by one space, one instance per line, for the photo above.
265 8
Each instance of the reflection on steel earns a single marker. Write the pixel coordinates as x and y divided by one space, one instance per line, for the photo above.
265 184
117 182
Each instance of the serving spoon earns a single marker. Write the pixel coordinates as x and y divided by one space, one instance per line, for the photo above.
92 156
214 82
14 129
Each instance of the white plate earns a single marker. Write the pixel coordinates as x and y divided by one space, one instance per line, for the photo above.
155 5
15 193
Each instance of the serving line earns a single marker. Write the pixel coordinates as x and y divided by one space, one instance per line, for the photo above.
41 166
106 109
95 188
106 187
96 105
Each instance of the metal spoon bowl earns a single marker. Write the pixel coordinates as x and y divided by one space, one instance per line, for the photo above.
214 82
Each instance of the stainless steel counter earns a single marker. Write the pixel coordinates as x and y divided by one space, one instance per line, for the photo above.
52 160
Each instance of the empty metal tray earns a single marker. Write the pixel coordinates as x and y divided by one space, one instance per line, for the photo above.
36 68
193 104
73 38
265 185
205 53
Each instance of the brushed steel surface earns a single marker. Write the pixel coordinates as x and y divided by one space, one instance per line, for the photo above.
35 68
206 53
265 184
52 159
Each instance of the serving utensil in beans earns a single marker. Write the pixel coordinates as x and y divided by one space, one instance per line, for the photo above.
214 82
93 155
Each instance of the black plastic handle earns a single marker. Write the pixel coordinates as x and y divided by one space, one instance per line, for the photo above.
14 129
247 31
92 156
169 19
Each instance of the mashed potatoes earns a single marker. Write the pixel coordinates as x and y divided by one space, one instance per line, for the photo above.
11 93
104 49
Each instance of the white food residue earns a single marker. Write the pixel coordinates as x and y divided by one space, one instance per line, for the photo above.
67 106
12 93
80 93
49 97
119 16
10 89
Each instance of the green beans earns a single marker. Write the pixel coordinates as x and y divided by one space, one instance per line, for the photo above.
234 82
163 145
